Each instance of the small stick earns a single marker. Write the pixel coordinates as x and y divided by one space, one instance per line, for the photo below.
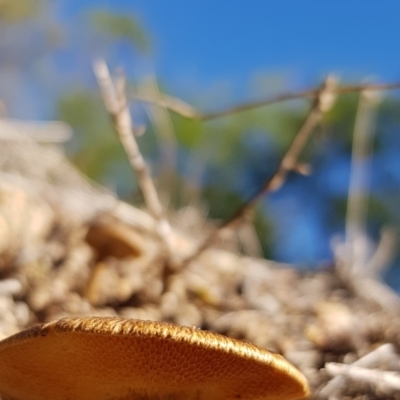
186 110
116 104
382 355
323 103
383 380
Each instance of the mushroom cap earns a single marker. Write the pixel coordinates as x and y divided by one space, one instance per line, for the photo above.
115 358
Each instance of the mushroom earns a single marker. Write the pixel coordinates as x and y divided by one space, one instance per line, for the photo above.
123 359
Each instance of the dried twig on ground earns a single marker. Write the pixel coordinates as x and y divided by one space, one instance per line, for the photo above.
186 110
116 104
324 101
382 380
384 354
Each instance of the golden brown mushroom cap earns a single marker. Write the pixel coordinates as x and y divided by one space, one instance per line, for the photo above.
116 358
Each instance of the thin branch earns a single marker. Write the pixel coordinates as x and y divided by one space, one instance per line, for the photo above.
324 101
116 104
170 103
186 110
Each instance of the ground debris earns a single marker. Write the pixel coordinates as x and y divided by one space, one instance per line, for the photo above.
60 258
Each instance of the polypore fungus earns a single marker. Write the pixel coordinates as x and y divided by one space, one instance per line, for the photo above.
115 358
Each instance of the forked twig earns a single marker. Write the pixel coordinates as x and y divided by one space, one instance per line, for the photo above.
115 101
324 101
186 110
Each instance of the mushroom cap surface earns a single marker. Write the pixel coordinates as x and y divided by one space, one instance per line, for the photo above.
122 359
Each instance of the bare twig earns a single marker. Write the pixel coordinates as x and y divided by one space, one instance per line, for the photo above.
382 355
180 107
116 104
324 101
382 380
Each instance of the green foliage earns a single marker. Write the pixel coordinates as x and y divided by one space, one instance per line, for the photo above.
226 201
83 110
341 119
189 133
264 229
94 147
121 26
14 11
379 210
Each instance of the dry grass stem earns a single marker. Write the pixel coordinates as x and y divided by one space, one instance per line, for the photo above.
360 173
355 264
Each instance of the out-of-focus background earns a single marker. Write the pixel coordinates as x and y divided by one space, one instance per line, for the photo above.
313 273
214 55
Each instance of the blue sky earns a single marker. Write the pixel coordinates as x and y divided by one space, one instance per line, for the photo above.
211 43
230 40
